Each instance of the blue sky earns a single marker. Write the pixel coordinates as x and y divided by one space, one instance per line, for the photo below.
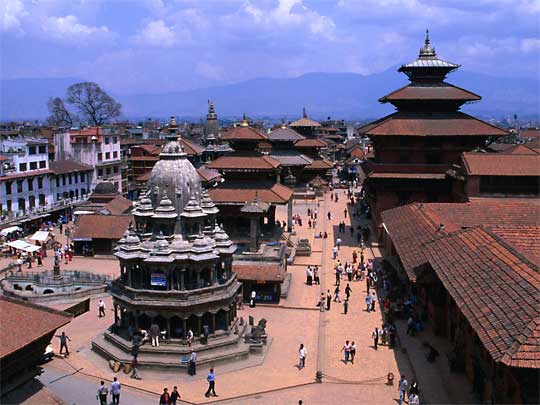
158 45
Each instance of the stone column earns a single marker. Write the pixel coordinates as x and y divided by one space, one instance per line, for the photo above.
289 215
214 276
198 277
184 327
199 325
182 280
214 325
253 228
169 328
115 314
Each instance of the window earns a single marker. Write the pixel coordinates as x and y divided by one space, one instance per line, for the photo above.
32 201
42 199
31 150
19 186
40 182
42 149
100 173
30 184
107 155
83 191
8 205
75 178
108 171
22 167
69 178
8 187
115 155
115 139
115 168
63 179
100 157
107 140
22 204
82 177
57 181
33 165
58 197
42 164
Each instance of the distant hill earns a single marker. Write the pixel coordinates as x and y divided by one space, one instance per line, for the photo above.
339 95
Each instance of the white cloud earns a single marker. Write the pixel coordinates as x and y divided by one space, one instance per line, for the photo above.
12 11
69 29
157 33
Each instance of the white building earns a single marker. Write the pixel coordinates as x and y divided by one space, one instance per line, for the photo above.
95 147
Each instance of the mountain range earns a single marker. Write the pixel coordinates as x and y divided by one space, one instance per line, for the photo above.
336 95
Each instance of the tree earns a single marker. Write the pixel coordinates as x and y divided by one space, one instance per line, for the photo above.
92 104
59 114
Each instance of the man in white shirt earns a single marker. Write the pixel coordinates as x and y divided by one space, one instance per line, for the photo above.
115 391
253 296
101 308
102 393
192 364
302 353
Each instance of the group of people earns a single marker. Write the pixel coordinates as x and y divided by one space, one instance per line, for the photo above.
103 392
312 275
411 391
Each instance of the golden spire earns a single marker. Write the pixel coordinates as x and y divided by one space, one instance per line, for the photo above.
244 122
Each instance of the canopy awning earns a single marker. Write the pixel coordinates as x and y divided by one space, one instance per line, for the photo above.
23 245
5 232
40 236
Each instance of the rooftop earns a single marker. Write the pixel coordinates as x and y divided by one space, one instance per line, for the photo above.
502 164
239 195
68 166
244 162
23 323
101 226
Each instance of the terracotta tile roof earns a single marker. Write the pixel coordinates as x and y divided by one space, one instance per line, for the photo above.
191 148
310 143
68 166
144 158
439 91
496 289
238 195
23 323
389 175
89 131
526 239
118 205
244 162
412 225
320 164
207 174
242 133
2 158
30 173
102 226
144 177
431 124
522 150
304 122
150 149
258 271
284 134
501 164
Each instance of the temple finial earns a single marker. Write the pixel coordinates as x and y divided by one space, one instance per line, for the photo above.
304 114
427 37
244 122
427 51
283 123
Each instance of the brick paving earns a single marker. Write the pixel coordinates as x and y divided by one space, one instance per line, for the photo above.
322 333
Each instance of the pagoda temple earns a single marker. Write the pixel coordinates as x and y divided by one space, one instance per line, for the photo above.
418 144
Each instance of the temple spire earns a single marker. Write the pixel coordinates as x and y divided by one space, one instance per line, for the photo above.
427 51
304 114
244 122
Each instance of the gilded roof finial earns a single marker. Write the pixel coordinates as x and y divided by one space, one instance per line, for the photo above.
304 114
283 123
427 51
244 122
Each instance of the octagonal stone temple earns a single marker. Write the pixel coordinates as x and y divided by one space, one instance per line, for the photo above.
176 273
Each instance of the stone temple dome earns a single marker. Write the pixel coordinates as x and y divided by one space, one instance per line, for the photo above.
106 187
175 175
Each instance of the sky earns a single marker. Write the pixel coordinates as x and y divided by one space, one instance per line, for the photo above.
156 46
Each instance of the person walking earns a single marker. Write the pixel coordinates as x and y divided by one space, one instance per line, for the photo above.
373 301
338 243
115 391
347 350
253 298
348 291
320 304
338 276
175 396
336 294
192 363
101 308
211 384
375 336
345 306
345 212
403 388
328 300
189 337
334 252
353 352
102 393
135 368
309 276
413 390
302 353
354 256
368 302
165 398
63 342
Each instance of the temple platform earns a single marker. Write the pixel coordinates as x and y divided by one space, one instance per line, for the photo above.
174 354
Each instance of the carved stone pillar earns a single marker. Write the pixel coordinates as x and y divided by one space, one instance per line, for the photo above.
184 327
214 325
182 279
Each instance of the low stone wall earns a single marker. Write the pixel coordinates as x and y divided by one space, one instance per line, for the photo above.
32 296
